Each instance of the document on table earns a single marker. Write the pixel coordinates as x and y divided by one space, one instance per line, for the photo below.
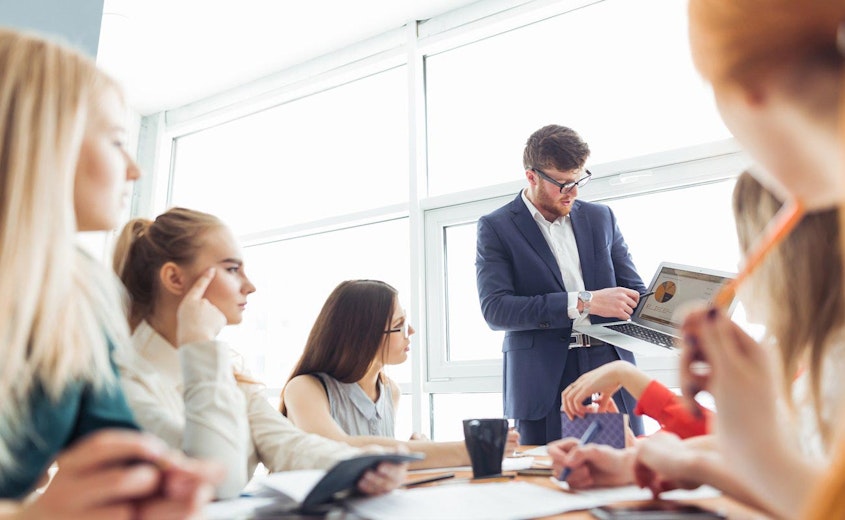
624 493
540 451
492 501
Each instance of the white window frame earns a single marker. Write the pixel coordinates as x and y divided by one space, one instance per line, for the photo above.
409 46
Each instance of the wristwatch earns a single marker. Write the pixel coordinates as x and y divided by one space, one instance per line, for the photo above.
586 297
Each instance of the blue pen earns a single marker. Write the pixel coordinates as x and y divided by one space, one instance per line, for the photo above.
587 437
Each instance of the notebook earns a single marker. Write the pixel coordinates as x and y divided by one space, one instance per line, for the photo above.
310 491
612 432
653 329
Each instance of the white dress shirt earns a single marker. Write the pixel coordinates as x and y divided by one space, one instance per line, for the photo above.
189 398
561 239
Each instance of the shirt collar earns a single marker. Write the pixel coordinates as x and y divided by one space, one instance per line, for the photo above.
538 217
362 401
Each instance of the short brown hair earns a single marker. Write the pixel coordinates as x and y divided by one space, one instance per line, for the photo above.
557 147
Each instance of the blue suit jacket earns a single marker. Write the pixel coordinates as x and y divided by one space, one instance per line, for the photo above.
522 292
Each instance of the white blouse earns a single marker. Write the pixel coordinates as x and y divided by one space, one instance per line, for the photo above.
189 398
832 395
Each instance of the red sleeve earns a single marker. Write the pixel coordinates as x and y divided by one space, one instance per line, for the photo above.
665 407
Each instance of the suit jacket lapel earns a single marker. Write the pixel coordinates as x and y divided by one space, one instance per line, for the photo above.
525 223
582 228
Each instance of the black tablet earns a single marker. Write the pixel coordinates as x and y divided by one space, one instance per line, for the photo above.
344 476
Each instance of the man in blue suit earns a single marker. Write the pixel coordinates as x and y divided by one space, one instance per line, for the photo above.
544 262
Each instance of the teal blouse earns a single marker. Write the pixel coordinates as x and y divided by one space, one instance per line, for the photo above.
53 425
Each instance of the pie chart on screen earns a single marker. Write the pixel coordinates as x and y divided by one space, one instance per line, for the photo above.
665 292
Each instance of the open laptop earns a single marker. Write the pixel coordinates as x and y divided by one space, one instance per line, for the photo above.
653 329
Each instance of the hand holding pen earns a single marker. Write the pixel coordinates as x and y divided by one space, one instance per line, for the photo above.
643 298
587 437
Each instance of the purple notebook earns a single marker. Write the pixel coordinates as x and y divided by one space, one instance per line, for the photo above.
612 432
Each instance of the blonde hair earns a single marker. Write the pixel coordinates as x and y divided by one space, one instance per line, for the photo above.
59 309
810 258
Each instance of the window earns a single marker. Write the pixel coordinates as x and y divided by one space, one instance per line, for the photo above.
293 279
320 186
628 88
332 153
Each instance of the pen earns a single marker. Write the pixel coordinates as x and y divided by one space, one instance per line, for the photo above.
427 480
587 437
642 298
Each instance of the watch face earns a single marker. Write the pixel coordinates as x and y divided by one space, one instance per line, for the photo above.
585 296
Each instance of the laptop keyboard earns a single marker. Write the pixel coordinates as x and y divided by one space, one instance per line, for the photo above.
652 336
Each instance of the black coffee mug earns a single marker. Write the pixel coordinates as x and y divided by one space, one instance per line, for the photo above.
485 441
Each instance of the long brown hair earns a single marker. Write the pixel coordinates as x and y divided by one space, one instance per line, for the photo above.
348 333
797 285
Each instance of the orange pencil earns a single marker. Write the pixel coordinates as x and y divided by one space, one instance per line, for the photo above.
779 228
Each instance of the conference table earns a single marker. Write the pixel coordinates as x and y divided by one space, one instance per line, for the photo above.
729 508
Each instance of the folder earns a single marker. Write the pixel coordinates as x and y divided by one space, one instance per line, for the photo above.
612 432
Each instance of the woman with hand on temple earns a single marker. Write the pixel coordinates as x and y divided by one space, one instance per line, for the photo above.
64 168
185 275
339 388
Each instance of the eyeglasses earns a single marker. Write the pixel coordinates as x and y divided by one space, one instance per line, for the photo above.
402 328
565 187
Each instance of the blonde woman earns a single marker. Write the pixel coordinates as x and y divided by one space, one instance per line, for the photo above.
64 168
186 277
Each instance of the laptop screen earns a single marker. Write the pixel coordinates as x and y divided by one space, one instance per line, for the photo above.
674 286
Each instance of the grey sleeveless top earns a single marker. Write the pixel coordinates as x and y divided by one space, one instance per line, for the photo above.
355 412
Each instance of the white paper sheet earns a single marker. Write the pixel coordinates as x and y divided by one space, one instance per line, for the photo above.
624 493
517 463
295 484
235 508
492 501
539 451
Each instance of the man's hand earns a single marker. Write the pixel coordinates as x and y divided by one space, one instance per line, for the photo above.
614 302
